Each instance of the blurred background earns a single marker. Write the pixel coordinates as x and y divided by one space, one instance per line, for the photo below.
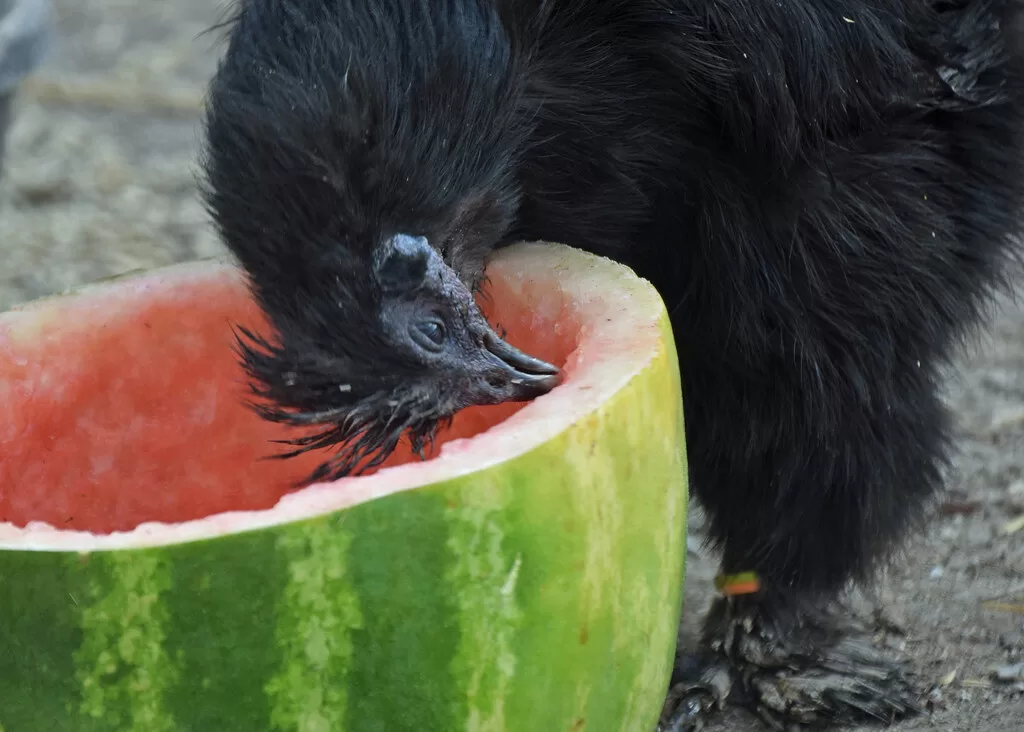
99 179
98 176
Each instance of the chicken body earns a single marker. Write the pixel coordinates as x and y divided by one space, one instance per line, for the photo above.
825 193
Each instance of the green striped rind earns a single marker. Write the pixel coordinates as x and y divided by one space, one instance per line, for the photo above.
540 594
487 615
318 610
121 664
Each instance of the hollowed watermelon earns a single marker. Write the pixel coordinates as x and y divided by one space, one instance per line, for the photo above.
157 574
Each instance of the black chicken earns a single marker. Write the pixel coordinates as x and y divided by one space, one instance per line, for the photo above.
825 192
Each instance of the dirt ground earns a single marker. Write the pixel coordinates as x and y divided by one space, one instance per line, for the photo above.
100 180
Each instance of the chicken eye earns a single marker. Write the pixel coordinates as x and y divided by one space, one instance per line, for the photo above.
430 334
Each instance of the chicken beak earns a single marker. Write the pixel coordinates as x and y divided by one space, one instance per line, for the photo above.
528 377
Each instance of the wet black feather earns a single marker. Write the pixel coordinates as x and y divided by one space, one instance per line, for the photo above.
352 425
